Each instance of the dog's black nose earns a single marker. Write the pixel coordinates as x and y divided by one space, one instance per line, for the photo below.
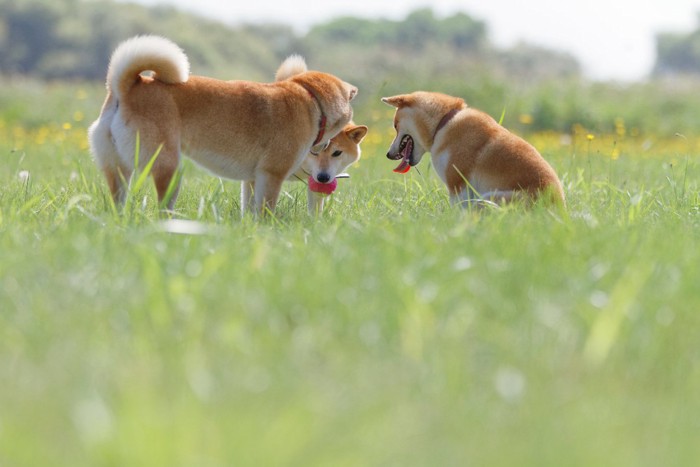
323 177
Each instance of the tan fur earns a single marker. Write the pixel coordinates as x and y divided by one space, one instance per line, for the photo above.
236 129
323 165
475 157
342 151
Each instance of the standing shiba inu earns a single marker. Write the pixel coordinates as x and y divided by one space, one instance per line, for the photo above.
475 157
320 170
236 129
323 167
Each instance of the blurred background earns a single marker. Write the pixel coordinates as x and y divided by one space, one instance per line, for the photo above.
549 64
395 331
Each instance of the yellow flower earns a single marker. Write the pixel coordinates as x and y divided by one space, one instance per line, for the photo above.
577 128
590 136
42 135
620 128
526 119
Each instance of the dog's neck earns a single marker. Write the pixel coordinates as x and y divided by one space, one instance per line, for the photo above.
322 120
445 120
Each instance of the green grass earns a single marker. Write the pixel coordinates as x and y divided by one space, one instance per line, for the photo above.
395 330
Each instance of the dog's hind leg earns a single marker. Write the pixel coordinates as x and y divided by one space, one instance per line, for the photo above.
165 175
501 197
117 180
116 173
106 155
469 199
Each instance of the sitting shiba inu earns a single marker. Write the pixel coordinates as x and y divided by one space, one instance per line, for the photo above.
237 129
320 169
480 161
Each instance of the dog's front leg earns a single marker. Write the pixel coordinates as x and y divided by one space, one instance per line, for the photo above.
267 190
315 201
247 198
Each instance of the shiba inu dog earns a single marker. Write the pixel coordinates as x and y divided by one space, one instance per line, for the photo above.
478 159
321 168
236 129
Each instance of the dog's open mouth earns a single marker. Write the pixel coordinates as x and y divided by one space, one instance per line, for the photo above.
406 154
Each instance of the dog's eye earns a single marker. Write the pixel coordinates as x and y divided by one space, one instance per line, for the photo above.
336 154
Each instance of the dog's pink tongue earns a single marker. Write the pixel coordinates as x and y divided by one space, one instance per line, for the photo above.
403 167
325 188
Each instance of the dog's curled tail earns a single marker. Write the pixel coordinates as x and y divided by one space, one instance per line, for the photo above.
292 66
146 53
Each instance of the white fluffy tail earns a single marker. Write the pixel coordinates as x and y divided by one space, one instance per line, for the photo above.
292 66
146 53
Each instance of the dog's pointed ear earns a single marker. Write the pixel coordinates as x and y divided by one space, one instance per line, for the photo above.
357 133
403 100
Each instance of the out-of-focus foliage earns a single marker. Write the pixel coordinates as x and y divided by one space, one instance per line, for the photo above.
452 55
74 39
678 53
539 89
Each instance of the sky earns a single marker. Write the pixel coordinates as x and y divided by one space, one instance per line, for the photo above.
612 39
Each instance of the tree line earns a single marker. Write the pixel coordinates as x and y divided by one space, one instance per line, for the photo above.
678 53
73 39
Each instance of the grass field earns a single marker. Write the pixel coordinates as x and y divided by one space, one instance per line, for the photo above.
395 330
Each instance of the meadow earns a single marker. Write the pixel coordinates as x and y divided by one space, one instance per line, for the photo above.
393 330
